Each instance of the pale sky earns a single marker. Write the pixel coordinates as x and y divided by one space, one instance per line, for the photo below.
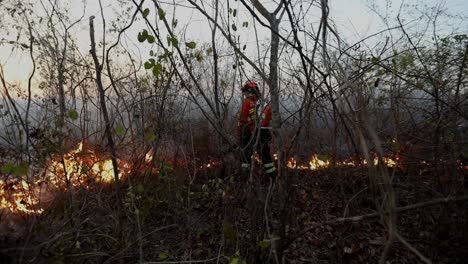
353 19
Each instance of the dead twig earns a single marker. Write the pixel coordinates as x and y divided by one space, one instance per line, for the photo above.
412 249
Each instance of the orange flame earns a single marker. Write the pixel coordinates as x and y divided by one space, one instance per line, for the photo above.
317 163
21 197
78 166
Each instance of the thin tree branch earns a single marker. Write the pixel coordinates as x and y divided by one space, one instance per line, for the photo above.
413 249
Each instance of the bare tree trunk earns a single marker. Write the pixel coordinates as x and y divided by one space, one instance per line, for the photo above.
105 115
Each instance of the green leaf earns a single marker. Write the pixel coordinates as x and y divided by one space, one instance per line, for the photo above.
142 37
191 44
234 13
198 56
163 256
244 47
148 65
161 14
84 169
146 12
460 38
174 41
234 260
234 27
120 130
264 244
174 22
73 114
20 169
7 168
157 69
209 51
150 39
151 53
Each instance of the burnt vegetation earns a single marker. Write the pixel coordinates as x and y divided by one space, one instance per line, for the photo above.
119 145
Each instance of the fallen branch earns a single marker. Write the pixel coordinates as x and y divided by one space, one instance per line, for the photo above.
413 249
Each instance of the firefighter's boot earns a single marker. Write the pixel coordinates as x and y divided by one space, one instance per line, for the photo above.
270 171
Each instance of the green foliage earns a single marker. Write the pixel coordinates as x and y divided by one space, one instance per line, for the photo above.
264 244
148 65
84 169
460 38
234 27
150 39
7 168
142 35
165 55
190 45
163 256
20 169
198 56
120 130
161 14
157 69
159 195
72 114
164 168
245 24
236 259
146 12
173 40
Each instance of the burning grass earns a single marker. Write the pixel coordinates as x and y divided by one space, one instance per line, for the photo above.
84 167
78 167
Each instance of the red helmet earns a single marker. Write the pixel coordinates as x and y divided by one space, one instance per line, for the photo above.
249 85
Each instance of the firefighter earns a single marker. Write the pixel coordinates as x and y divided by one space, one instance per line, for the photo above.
247 129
